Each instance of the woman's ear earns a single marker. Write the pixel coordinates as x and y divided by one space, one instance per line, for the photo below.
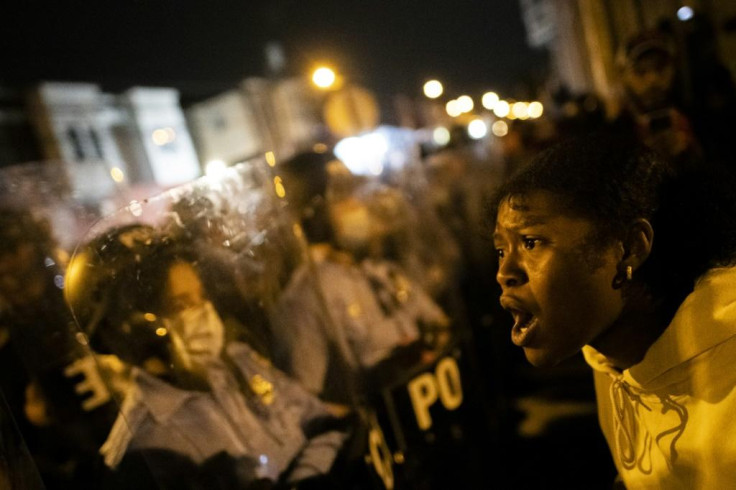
637 246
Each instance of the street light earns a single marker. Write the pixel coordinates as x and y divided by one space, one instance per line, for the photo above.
535 109
477 129
324 77
501 109
465 103
500 128
520 110
433 89
453 108
489 100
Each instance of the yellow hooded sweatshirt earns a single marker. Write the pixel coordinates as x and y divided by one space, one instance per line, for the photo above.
670 420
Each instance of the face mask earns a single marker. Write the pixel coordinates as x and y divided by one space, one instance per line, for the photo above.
198 334
353 227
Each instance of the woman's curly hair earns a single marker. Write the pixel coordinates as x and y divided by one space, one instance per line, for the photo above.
612 182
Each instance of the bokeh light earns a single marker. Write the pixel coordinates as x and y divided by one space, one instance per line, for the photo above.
536 109
477 129
453 108
500 129
465 103
685 13
489 100
433 89
323 77
441 136
502 109
278 185
520 110
163 136
117 174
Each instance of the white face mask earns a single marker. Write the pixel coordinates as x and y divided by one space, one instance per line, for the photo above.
353 227
198 334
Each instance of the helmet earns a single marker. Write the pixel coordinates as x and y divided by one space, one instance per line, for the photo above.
108 292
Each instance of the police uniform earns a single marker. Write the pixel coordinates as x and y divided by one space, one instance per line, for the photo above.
268 426
373 309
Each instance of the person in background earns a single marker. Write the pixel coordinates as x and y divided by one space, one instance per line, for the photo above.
650 112
363 310
62 419
603 246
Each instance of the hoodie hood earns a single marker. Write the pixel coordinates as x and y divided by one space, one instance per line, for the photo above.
705 319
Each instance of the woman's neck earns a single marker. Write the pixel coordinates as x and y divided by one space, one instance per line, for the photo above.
641 323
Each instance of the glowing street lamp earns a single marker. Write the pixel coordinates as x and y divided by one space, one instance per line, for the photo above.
477 129
324 77
441 136
501 109
520 110
535 109
465 103
489 100
500 128
433 89
453 108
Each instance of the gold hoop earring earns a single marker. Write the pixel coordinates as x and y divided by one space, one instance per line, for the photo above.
629 273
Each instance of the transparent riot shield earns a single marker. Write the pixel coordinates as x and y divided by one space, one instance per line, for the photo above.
188 297
54 417
371 241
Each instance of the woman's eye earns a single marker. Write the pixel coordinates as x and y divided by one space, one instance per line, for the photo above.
530 243
499 253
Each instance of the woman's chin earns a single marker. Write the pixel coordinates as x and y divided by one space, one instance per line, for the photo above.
542 358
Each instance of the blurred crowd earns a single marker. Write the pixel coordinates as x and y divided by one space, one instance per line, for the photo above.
299 326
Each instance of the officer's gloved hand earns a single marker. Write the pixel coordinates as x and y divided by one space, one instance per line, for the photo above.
97 374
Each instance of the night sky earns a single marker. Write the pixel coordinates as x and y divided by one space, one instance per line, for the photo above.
205 47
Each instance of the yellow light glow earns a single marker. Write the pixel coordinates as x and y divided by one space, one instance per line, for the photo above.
433 89
323 77
149 317
453 108
117 174
501 109
441 136
489 100
161 331
278 186
270 158
465 103
500 128
319 148
161 136
536 109
520 110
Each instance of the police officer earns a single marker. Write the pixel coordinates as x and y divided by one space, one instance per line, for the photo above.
38 345
201 400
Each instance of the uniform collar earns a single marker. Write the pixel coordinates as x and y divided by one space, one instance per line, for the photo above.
705 319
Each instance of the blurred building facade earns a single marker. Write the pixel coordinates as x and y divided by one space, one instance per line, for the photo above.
584 36
260 115
103 142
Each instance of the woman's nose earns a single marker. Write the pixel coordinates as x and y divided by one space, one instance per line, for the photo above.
510 273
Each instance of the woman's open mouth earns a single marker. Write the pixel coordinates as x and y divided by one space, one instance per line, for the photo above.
524 327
